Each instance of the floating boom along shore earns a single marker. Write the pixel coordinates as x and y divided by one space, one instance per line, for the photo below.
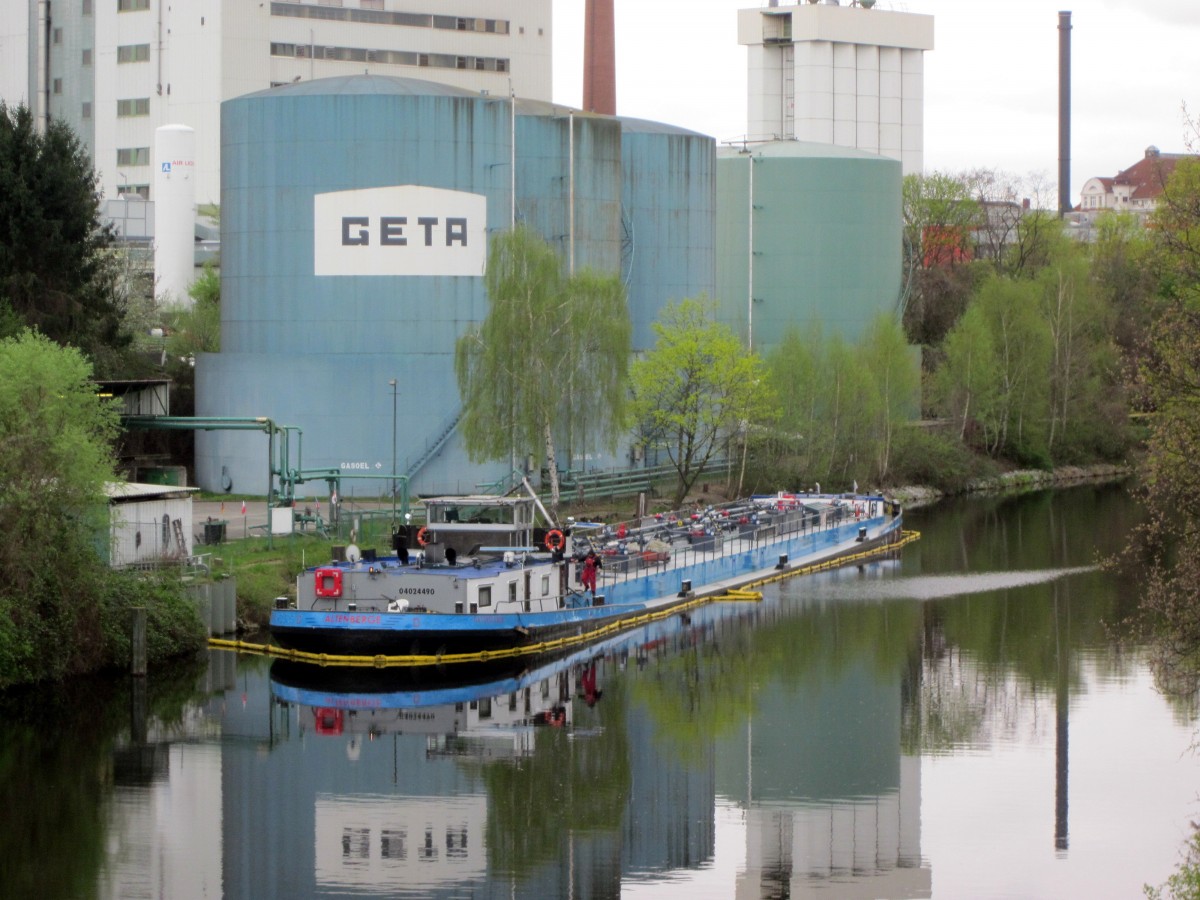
486 580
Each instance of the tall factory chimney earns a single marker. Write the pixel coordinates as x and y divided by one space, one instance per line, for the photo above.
599 59
1064 113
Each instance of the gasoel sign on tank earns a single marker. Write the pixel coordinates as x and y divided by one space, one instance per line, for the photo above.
400 230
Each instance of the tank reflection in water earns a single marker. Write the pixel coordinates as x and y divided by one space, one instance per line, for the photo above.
629 753
966 712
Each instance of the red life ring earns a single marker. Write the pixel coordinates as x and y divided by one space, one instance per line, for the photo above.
327 582
555 540
421 535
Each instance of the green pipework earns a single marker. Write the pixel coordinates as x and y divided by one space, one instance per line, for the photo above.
276 468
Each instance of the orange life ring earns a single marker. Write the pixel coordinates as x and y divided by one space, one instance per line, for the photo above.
555 540
421 535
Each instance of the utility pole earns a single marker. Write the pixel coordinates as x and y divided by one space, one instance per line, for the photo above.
392 383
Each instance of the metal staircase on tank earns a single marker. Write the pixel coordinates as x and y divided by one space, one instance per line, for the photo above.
628 246
431 450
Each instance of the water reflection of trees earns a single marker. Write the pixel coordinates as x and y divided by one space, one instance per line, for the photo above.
58 768
706 690
571 782
985 662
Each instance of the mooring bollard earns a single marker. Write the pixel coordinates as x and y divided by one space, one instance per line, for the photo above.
137 651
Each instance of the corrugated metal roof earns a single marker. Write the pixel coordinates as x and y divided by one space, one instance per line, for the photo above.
417 87
646 126
120 491
343 85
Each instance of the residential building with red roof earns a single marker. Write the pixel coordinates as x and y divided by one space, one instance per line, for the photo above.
1135 189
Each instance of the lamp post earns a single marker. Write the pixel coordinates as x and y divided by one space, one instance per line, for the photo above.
392 382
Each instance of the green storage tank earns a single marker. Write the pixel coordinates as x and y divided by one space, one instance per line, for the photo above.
808 235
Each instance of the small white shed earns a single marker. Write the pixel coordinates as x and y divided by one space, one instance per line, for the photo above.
148 523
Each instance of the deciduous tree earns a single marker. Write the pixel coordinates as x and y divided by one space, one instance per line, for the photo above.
550 360
896 383
941 220
1169 542
968 379
698 390
62 610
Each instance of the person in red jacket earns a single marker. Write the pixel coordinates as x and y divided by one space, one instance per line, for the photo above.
590 564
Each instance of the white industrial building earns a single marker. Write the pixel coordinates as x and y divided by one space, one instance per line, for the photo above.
852 76
116 70
148 523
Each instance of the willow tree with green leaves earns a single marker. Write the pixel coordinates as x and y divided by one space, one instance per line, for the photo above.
698 392
550 361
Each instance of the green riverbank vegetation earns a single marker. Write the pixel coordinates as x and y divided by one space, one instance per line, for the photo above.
63 611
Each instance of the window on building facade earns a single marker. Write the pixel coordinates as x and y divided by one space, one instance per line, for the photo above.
139 106
131 53
87 56
87 109
372 11
133 156
132 5
58 85
388 57
87 7
58 35
134 190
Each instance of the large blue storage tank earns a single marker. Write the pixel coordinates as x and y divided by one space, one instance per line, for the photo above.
549 139
355 216
668 219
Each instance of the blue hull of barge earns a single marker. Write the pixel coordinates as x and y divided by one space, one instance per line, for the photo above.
339 633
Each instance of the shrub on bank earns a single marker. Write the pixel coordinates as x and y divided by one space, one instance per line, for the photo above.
939 461
78 620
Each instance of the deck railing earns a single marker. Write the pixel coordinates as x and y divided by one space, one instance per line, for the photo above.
773 528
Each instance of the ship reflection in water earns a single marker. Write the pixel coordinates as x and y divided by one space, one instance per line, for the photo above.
644 754
849 735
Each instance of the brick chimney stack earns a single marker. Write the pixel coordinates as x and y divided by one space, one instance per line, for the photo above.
599 58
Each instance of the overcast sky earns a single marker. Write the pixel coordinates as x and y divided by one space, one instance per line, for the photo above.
991 83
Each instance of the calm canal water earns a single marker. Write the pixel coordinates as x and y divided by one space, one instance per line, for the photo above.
958 723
